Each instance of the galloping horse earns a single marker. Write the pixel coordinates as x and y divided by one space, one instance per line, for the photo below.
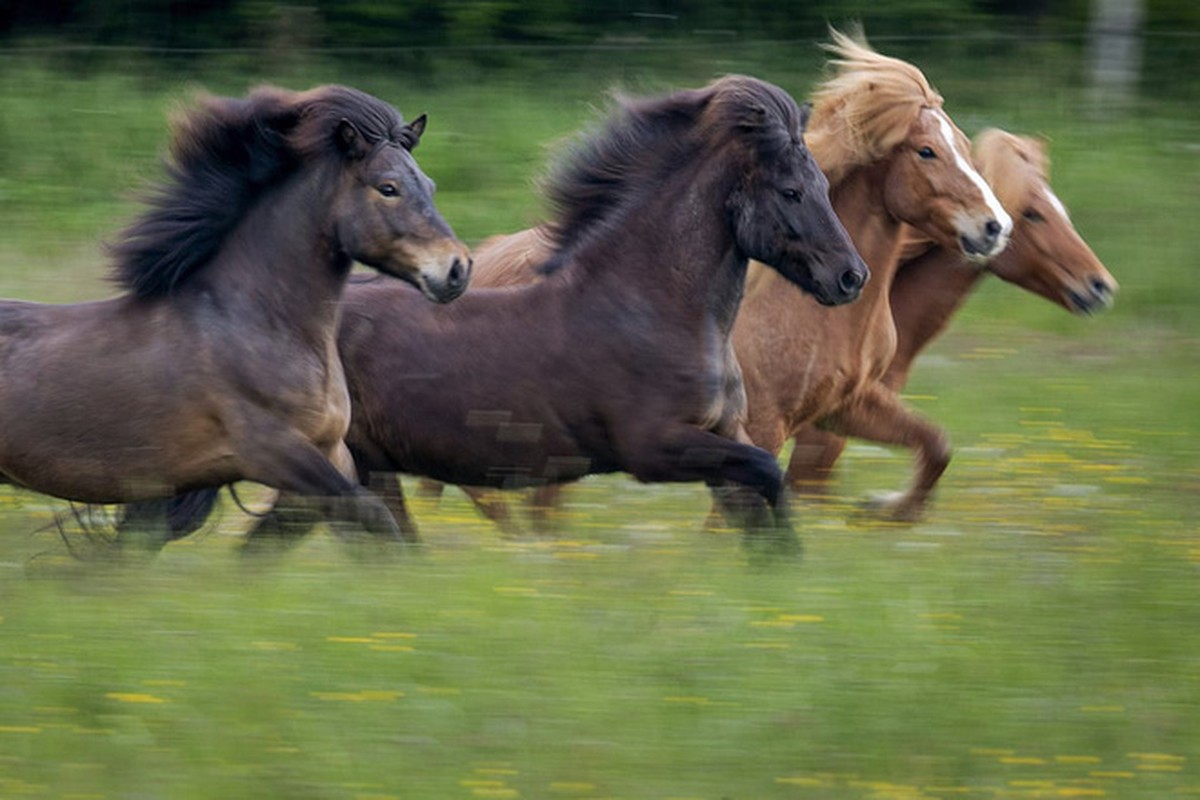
617 359
1046 256
893 158
219 361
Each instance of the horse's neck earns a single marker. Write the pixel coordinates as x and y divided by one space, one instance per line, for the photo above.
685 264
926 292
280 265
877 235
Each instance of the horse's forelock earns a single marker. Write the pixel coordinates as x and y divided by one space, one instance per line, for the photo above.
747 108
324 108
866 107
1013 165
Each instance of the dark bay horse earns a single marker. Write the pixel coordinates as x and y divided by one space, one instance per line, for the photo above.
616 361
1046 256
219 361
894 159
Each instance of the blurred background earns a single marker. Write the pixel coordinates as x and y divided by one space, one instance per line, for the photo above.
1034 637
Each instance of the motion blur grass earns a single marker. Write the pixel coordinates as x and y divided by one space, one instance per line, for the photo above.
1035 637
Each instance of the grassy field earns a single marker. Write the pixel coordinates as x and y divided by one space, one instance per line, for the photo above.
1035 637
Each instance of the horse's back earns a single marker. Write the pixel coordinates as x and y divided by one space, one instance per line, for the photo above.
94 386
18 317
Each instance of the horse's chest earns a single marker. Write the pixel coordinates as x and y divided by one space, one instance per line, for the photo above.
878 350
866 362
722 387
320 407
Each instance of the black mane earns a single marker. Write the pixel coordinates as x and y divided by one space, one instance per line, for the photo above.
224 153
644 139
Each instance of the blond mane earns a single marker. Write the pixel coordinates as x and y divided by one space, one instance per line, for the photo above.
866 108
1015 166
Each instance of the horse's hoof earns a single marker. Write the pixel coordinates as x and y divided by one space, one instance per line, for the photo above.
771 544
894 507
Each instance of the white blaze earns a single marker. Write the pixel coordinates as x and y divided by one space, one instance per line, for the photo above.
1058 204
989 197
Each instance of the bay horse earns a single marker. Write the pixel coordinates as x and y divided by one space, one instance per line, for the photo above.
1046 256
616 360
218 361
894 159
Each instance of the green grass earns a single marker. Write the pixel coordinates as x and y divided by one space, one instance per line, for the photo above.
1035 637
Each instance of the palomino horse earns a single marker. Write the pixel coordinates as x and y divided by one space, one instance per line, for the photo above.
893 158
616 360
219 362
1046 257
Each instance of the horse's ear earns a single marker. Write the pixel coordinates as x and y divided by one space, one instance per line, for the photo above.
413 132
805 113
350 140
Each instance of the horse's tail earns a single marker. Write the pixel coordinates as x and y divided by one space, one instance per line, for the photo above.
187 513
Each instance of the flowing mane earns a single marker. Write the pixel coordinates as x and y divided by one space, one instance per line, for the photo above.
224 153
645 139
1014 165
866 108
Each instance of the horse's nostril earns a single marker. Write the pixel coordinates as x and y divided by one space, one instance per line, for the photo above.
850 281
457 272
993 227
1100 287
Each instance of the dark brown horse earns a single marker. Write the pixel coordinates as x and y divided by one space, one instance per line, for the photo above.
617 359
1046 256
219 362
894 159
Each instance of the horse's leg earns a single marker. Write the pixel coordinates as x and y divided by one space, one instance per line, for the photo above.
310 485
497 509
151 524
429 488
810 468
290 517
143 525
387 486
686 453
877 415
722 513
360 507
543 504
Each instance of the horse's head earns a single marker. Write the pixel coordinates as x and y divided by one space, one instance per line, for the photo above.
781 211
1047 256
880 113
933 185
384 212
365 196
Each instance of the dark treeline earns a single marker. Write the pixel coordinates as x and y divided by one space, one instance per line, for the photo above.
440 23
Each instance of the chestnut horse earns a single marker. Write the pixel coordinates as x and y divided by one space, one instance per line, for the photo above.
616 360
893 158
219 361
1046 256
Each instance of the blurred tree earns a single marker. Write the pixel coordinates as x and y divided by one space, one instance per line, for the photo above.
412 23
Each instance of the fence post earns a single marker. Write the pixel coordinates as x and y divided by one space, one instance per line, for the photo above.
1115 55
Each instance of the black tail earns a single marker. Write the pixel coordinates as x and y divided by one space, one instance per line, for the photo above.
187 513
184 514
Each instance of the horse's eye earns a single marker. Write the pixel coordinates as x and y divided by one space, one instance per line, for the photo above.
926 153
1033 216
388 189
791 194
